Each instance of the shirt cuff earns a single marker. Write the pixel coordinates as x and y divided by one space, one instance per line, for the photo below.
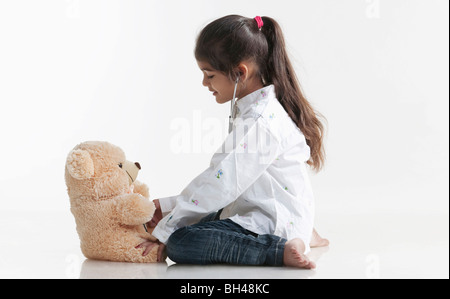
161 234
167 204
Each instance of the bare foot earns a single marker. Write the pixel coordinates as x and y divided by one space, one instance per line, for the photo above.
318 241
294 255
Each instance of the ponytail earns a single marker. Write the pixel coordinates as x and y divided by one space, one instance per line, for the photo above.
281 74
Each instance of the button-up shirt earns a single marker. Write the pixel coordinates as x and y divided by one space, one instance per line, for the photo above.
258 176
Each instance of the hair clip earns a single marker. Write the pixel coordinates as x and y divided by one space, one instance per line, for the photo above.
259 21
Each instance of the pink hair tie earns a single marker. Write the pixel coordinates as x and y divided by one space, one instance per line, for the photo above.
259 21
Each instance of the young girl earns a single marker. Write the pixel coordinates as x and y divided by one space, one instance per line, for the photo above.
254 204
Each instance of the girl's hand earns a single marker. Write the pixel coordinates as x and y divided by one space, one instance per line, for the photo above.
148 245
161 253
157 216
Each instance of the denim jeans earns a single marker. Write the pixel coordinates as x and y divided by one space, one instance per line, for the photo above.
214 241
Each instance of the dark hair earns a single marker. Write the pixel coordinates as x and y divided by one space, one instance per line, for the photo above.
230 40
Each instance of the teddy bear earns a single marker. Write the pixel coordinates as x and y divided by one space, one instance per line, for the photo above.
110 207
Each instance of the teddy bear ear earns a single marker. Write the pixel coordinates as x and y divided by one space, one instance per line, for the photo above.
80 165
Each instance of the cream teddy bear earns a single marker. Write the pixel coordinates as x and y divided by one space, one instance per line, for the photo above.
110 207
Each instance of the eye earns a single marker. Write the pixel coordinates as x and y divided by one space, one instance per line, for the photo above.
120 165
210 77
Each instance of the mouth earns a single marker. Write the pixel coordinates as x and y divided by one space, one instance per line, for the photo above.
214 92
130 177
132 170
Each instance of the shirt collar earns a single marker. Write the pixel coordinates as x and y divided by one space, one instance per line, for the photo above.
256 98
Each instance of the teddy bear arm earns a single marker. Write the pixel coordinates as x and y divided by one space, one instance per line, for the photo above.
141 188
134 209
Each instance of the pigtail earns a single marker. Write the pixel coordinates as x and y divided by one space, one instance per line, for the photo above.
280 72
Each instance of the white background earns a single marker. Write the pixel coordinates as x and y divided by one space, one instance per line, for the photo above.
124 72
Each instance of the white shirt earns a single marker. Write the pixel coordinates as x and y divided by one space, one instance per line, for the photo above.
259 176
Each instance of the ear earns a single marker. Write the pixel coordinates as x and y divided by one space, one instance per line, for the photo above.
242 71
80 165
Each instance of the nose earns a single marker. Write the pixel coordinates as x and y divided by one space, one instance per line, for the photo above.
138 165
204 82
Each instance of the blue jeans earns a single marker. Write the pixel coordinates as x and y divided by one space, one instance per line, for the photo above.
213 241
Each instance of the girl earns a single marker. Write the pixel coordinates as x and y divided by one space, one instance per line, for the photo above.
254 204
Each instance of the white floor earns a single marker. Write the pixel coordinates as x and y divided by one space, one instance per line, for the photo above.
45 245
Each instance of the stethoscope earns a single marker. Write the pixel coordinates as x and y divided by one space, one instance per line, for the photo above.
233 108
230 127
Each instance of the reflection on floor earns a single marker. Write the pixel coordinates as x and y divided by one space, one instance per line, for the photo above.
45 245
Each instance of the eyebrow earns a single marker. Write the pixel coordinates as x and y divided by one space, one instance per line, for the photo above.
207 69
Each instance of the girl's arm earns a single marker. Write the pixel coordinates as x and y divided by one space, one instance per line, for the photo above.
245 155
163 207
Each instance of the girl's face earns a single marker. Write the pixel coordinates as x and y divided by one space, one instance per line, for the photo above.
218 83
